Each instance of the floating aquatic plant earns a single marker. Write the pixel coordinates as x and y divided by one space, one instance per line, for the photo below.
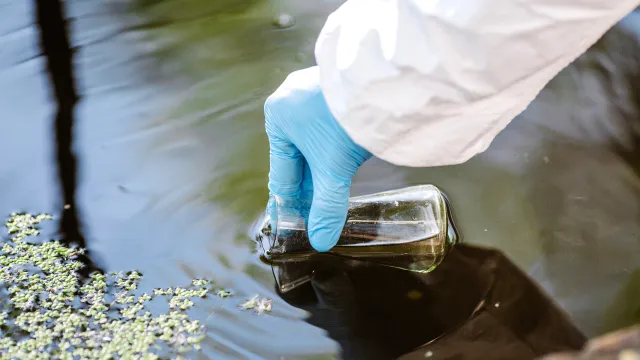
223 293
258 304
48 311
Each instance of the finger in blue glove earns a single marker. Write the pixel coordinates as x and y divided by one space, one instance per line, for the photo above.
311 156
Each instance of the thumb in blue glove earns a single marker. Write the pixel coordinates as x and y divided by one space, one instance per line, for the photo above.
311 156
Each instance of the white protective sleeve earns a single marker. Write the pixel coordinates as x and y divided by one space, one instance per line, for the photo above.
432 82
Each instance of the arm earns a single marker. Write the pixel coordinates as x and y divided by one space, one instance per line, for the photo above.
428 83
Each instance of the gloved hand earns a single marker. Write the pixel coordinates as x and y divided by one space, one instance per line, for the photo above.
311 155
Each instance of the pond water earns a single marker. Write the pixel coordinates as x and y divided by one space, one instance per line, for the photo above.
172 165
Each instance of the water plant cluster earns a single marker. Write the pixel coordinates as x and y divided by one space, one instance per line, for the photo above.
48 310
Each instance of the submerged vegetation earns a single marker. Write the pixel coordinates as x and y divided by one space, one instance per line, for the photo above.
47 310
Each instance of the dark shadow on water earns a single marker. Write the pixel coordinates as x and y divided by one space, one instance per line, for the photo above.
54 42
477 304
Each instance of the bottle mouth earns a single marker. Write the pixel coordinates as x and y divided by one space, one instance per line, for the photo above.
262 234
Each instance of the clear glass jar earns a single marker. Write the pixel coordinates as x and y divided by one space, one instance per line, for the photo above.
409 228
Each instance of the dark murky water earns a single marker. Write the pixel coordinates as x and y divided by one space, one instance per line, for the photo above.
172 164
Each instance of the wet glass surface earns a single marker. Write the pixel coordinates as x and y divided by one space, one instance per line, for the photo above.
172 165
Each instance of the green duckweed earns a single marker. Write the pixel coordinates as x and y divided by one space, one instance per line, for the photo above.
47 311
258 304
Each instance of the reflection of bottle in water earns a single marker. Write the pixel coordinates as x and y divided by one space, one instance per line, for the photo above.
409 228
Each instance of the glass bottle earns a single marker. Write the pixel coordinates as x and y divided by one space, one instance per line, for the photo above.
409 228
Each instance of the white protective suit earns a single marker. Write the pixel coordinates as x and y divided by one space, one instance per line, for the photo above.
432 82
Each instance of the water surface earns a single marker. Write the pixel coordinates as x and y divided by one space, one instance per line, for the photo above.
173 162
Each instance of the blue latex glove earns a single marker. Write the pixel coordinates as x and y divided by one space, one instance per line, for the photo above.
311 155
